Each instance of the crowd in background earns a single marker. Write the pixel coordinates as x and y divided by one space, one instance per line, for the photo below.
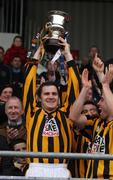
13 133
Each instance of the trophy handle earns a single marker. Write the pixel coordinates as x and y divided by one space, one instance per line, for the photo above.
48 25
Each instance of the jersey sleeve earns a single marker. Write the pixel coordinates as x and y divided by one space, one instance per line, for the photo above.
29 91
73 85
90 128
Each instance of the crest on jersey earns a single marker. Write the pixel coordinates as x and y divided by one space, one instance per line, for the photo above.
50 128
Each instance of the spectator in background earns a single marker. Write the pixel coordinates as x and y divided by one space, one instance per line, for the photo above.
93 50
87 60
6 92
16 49
2 51
96 85
17 76
52 73
19 164
16 125
5 162
84 64
5 73
75 54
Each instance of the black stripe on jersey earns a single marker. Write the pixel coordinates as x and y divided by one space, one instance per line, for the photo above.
78 167
106 162
78 77
85 134
75 134
95 168
50 148
30 93
27 70
75 68
79 144
50 143
85 146
88 128
29 99
71 99
61 141
63 117
32 131
39 140
96 162
78 151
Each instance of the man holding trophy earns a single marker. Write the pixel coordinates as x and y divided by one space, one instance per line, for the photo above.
48 127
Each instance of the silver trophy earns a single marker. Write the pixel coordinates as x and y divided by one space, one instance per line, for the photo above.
55 27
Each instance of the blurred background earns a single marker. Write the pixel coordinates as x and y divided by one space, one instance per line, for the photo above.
91 22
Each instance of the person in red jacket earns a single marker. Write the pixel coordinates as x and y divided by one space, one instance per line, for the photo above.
16 49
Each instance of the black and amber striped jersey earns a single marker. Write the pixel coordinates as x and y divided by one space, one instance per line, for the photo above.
102 143
82 145
48 132
63 94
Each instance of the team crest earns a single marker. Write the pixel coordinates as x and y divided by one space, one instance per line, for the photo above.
50 128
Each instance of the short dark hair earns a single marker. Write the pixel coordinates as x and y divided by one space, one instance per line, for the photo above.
16 141
16 56
19 37
47 83
3 86
3 143
2 49
90 102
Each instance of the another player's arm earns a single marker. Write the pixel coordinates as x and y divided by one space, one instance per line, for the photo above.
107 93
105 79
75 112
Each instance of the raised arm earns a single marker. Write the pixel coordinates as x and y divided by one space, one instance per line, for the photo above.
98 66
29 91
75 111
105 80
107 93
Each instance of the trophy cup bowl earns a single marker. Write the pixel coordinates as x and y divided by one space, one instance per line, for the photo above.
55 27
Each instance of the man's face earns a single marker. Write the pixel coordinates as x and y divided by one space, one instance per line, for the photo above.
90 109
1 54
16 62
89 95
13 109
6 94
93 51
50 66
49 98
20 147
103 108
18 42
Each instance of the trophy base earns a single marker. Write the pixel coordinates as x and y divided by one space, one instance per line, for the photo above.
51 45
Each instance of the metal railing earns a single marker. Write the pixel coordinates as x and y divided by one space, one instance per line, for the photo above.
52 155
56 155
